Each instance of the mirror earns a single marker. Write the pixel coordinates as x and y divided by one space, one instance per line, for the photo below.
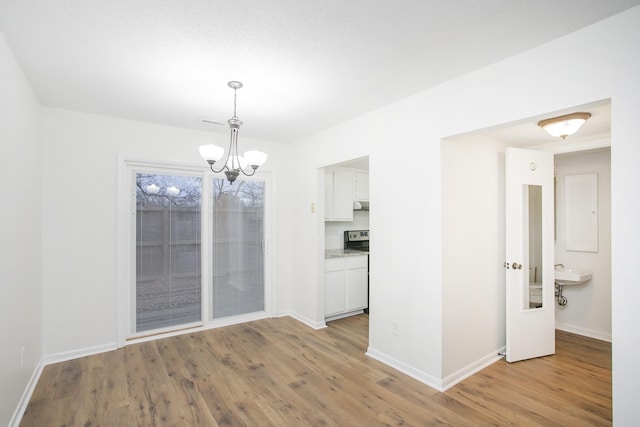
533 245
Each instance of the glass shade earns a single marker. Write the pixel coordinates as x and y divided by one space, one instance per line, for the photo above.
211 152
173 191
564 128
255 158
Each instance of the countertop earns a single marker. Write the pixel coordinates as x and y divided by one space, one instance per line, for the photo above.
339 253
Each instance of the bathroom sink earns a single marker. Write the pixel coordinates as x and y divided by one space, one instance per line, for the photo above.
571 276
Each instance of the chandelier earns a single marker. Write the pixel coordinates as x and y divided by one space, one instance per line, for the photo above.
233 164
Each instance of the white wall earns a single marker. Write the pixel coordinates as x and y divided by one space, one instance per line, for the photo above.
473 249
403 144
589 309
79 199
20 245
404 190
79 217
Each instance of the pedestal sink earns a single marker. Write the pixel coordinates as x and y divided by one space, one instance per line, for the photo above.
571 276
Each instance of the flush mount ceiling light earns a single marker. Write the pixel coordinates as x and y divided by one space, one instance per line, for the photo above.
233 164
563 126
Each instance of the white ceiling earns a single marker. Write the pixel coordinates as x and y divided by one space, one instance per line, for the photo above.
595 132
306 65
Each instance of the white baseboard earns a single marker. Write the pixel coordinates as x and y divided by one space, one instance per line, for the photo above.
405 369
75 354
26 396
431 381
282 313
311 323
472 368
602 336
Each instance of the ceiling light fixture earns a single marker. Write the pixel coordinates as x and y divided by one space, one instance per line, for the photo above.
233 164
563 126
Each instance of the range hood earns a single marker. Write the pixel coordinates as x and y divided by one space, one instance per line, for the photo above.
360 205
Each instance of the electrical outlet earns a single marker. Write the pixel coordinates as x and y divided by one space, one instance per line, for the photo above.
394 327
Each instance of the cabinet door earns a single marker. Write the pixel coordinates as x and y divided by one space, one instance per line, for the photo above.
328 194
335 292
357 283
362 186
342 195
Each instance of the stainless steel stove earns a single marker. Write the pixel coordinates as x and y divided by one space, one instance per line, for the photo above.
357 240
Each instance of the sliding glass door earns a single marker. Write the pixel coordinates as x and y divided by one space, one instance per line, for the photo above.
167 245
237 234
196 254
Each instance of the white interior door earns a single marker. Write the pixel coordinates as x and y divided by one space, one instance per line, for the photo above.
529 254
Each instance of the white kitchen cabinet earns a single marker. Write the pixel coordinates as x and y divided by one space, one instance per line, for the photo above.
346 285
335 291
361 182
338 195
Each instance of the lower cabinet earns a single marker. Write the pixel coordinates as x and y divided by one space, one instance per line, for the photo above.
346 283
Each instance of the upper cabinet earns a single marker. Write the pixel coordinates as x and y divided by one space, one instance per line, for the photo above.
338 194
361 181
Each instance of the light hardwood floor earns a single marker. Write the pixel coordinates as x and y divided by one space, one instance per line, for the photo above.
278 372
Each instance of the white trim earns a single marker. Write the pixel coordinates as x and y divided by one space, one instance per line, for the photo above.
303 319
218 323
472 368
270 288
570 146
235 320
123 238
166 330
126 166
405 369
598 335
76 354
26 396
125 255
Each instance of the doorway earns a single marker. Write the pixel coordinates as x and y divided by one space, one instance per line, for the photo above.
344 277
473 168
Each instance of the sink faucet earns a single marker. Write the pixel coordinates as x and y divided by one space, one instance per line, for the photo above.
559 265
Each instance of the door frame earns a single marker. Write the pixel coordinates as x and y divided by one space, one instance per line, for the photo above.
125 201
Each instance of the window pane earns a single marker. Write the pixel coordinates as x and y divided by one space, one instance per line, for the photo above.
238 259
168 285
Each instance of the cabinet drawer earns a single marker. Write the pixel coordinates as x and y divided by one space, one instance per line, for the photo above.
334 264
357 261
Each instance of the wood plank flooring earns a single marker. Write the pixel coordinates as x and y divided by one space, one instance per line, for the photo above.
278 372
